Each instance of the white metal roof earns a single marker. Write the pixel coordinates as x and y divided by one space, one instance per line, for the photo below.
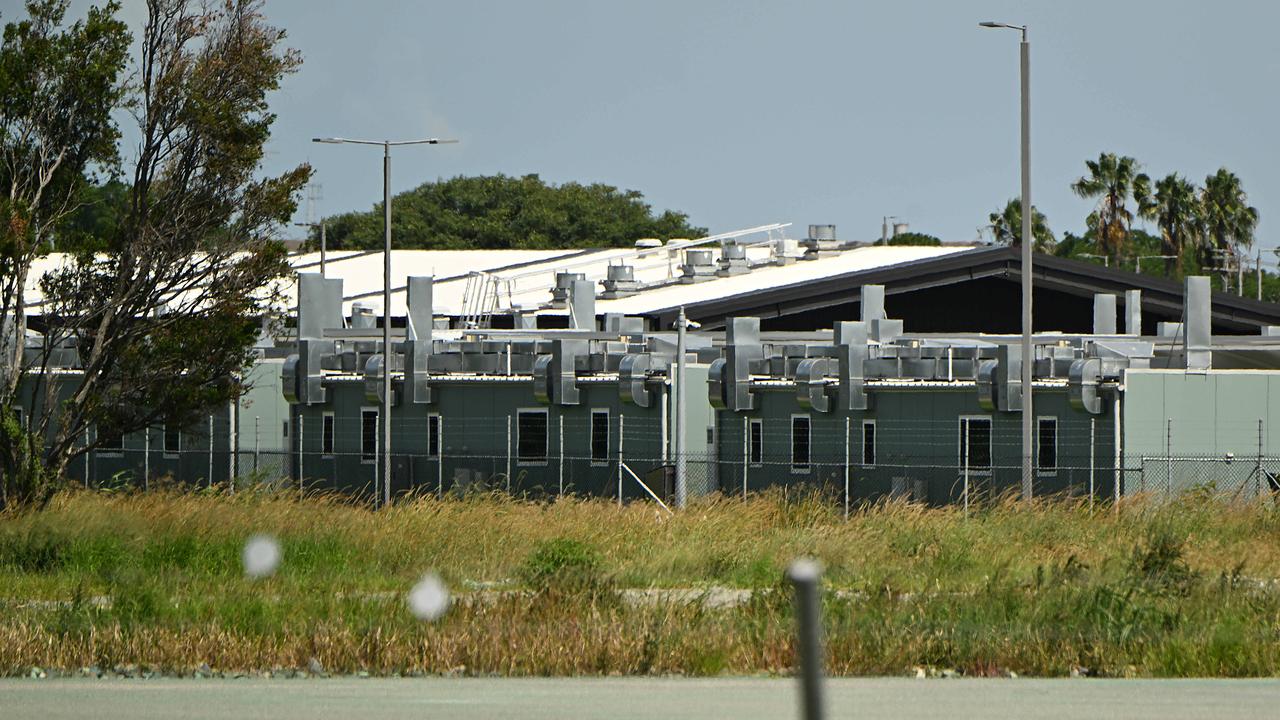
522 279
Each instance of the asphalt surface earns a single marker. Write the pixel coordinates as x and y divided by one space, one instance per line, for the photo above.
644 698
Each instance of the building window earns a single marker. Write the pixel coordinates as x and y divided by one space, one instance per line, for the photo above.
433 436
368 435
599 436
757 442
868 443
172 439
975 442
1047 445
110 443
800 443
326 433
284 428
17 415
531 436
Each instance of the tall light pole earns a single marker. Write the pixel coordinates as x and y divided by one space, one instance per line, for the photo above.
1028 357
386 289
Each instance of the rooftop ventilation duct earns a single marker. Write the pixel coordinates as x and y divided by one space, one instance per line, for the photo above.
1133 312
319 305
1196 308
582 305
560 291
698 266
620 281
733 260
362 316
1104 314
821 242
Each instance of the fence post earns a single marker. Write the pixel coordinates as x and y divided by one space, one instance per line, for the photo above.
233 445
1257 477
86 459
846 467
210 451
621 426
256 444
1118 455
508 443
746 453
440 456
562 454
1168 456
146 458
1092 429
298 432
965 460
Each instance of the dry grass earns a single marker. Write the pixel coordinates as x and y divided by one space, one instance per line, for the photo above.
1157 589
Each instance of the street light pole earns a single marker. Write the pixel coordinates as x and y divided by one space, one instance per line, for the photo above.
386 292
1028 357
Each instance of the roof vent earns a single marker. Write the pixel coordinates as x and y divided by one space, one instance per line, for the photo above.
560 292
648 243
698 266
362 316
620 282
733 260
821 242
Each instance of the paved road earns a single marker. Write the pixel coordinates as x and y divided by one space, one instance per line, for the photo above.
643 698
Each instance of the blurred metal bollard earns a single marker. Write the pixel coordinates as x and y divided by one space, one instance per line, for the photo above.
805 573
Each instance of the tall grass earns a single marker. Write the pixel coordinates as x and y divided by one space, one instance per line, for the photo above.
1183 588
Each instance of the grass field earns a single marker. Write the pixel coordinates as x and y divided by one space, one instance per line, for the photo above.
1157 589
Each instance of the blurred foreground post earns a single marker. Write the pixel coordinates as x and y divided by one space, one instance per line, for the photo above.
804 574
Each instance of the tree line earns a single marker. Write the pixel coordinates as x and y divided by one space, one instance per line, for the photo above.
1198 227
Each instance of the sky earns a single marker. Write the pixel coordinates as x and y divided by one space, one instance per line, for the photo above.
744 113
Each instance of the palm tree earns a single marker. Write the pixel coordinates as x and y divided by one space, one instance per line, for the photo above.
1110 179
1229 220
1175 207
1006 226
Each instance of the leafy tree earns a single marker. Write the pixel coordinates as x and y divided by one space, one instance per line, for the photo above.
1110 179
912 238
163 316
1229 221
1176 210
1006 226
503 212
58 85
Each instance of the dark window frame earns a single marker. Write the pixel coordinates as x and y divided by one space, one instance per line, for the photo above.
966 428
801 446
755 444
435 426
600 440
368 455
171 432
328 426
869 458
1042 467
525 454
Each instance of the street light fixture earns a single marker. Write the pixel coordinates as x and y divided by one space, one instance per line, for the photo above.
1028 358
386 288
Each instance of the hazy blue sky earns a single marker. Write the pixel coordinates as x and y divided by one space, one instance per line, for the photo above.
742 113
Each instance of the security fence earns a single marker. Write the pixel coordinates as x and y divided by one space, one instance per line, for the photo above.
963 461
631 478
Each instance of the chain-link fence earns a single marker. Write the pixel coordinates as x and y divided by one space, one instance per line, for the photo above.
966 460
1227 476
